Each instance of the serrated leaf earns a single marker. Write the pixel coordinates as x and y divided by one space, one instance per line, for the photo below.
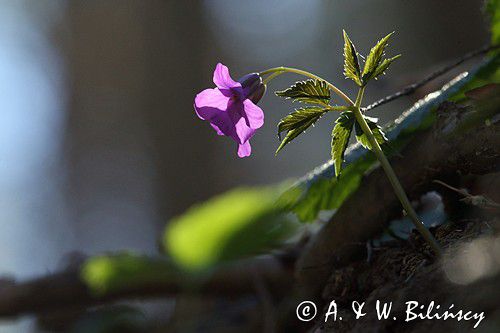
321 191
377 133
374 58
297 122
310 91
384 65
351 63
340 138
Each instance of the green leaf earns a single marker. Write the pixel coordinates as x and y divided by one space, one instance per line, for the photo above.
351 63
493 9
384 65
310 91
320 190
234 225
375 58
297 122
340 138
377 132
108 274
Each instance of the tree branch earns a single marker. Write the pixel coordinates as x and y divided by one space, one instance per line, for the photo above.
66 289
410 89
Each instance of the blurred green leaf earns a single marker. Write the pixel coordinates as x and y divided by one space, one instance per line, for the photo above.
297 122
376 129
310 91
104 274
239 223
328 193
351 63
340 138
374 59
493 9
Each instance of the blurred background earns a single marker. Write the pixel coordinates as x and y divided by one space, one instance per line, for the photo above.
99 142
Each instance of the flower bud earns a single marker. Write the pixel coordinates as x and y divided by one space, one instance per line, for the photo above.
253 87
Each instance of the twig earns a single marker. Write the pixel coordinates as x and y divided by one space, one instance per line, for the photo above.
66 290
410 89
480 201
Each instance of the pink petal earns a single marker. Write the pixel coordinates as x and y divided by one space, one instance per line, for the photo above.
223 80
209 103
224 125
243 132
253 114
244 149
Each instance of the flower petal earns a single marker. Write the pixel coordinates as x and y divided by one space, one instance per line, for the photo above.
209 103
253 114
244 149
243 132
223 80
224 125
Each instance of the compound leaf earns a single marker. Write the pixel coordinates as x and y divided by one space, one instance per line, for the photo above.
297 122
376 129
310 91
340 138
375 58
351 63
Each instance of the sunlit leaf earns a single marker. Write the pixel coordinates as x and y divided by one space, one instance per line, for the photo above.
310 91
384 65
377 133
340 138
351 63
104 274
493 9
320 190
297 122
375 58
237 224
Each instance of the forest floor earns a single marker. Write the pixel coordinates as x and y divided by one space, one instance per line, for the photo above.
400 272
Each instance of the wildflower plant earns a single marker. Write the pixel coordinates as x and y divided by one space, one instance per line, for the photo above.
231 110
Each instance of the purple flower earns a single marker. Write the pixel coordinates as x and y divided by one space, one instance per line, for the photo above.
230 107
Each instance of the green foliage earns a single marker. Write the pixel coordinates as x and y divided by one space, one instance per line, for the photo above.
310 91
237 224
351 63
105 274
326 192
376 129
321 190
297 122
493 9
375 65
384 65
340 138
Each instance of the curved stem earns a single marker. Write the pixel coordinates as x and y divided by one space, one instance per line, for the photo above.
272 76
393 179
282 70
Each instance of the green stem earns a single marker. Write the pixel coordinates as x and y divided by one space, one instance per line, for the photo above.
393 179
281 70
